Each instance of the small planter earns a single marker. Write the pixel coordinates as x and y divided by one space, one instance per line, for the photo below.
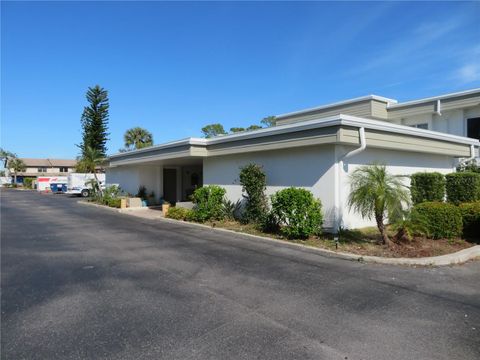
165 207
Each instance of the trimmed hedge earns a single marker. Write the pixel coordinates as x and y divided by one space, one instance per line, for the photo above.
208 202
297 212
179 213
427 187
442 220
471 218
463 187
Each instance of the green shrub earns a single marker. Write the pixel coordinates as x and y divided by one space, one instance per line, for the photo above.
463 187
427 187
298 212
208 202
254 183
231 210
179 213
471 218
442 220
114 202
27 182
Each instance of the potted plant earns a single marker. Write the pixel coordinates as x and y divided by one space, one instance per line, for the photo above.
165 207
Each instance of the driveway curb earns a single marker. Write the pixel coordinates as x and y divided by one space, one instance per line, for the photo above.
456 258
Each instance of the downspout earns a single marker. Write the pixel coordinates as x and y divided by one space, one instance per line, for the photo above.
472 156
338 198
438 108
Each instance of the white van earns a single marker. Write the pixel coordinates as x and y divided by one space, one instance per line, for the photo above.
80 183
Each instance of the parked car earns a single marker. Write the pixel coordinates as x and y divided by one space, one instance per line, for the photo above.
81 184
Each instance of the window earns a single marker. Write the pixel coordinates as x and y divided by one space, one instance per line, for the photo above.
64 169
473 128
420 126
42 169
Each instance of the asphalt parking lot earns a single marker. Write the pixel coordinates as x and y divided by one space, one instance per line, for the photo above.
80 282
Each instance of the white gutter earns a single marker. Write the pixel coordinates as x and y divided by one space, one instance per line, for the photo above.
438 108
338 198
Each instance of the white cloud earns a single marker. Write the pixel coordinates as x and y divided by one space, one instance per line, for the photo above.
468 73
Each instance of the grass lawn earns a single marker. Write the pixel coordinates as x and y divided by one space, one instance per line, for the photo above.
362 241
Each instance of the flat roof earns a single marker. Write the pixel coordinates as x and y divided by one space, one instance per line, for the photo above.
435 98
340 103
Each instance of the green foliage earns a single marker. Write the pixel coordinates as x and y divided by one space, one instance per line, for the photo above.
213 130
463 187
471 218
411 224
179 213
427 187
253 127
254 183
208 202
95 121
236 129
142 192
6 155
297 212
137 138
231 210
27 182
16 165
443 220
269 121
376 193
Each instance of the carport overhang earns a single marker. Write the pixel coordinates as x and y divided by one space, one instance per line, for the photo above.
340 129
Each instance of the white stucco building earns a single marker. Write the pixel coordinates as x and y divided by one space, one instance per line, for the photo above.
316 149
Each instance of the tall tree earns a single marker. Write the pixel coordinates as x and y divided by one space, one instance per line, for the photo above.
213 130
16 165
269 121
5 156
137 138
95 120
376 193
92 158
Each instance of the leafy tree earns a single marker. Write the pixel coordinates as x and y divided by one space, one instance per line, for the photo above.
253 127
5 156
16 165
137 138
254 183
376 193
92 158
269 121
95 121
213 130
236 129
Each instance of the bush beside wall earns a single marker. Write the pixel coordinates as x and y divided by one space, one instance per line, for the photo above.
297 212
463 187
442 220
208 202
471 218
427 187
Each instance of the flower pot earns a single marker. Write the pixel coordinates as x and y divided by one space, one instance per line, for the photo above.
165 208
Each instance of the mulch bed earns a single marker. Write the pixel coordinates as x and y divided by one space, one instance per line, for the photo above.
364 242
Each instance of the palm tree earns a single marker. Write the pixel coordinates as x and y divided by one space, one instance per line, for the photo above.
137 138
92 158
17 165
376 193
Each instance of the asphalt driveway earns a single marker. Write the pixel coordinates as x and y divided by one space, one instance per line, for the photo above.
80 282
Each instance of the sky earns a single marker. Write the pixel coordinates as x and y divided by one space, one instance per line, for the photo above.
173 67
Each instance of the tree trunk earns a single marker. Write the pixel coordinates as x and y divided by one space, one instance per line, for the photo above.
15 178
98 184
383 232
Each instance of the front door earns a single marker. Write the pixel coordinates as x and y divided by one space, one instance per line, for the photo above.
170 185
